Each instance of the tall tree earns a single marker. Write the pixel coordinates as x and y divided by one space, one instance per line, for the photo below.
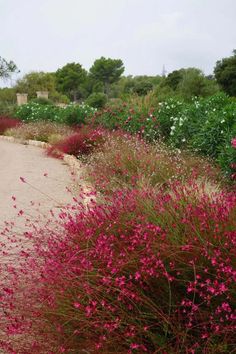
225 74
7 68
70 80
107 71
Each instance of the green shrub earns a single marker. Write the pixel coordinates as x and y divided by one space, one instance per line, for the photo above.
97 100
33 112
71 115
227 155
43 101
8 109
213 132
75 114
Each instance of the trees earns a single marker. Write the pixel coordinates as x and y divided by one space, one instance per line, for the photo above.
7 68
107 71
225 74
70 80
36 81
189 82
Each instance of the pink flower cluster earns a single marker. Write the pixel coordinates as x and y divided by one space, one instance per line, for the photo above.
135 274
233 143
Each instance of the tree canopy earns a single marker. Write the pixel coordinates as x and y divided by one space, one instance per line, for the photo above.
70 80
7 68
225 74
36 81
189 82
107 71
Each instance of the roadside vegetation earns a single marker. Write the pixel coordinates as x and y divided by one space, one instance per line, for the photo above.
147 263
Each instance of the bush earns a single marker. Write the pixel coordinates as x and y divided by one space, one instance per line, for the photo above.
76 114
33 112
213 133
71 115
97 100
147 272
8 109
128 162
42 101
7 123
82 142
227 155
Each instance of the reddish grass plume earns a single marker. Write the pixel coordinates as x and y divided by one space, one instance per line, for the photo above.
83 142
7 123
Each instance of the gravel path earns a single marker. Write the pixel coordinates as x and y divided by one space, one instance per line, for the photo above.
46 188
30 162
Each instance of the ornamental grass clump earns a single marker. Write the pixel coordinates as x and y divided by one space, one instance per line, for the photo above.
7 123
145 272
42 131
128 161
82 142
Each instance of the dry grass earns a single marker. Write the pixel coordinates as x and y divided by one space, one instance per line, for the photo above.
43 131
127 161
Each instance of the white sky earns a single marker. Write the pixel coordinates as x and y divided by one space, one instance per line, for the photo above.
145 34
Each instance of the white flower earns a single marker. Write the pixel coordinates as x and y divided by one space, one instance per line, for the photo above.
222 121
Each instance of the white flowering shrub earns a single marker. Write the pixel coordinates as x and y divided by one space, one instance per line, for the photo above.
71 114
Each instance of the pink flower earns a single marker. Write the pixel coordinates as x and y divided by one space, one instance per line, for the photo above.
77 305
22 179
233 143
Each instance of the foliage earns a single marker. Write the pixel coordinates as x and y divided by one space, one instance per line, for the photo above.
146 272
127 161
71 114
7 95
81 142
8 109
188 83
225 73
97 100
70 79
32 112
213 133
7 68
75 114
42 101
143 87
227 155
201 125
36 81
107 71
7 101
7 123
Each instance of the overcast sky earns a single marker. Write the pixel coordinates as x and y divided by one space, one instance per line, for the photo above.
145 34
